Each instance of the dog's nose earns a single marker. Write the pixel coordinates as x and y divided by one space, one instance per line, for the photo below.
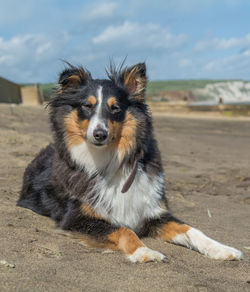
100 135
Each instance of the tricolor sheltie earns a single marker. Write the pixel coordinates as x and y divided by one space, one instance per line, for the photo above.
103 178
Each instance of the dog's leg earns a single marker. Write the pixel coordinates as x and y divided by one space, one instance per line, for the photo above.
127 241
172 230
97 232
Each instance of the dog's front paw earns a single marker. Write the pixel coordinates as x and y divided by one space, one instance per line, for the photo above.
145 254
223 252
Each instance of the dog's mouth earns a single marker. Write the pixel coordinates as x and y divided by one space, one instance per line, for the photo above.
98 144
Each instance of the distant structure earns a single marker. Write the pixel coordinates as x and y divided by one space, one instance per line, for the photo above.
174 96
11 92
220 100
31 95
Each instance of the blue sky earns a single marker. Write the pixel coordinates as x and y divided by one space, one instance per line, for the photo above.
178 39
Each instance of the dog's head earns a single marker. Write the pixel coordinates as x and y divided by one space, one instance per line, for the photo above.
100 113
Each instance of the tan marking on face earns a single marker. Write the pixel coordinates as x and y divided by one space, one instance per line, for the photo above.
92 100
127 138
84 127
111 101
87 210
170 230
75 130
126 240
114 131
122 135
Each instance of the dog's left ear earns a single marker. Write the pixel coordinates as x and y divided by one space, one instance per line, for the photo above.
134 79
73 77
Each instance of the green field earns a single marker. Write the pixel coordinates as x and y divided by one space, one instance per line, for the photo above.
47 90
154 87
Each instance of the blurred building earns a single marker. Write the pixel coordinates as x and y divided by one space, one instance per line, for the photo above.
31 95
10 92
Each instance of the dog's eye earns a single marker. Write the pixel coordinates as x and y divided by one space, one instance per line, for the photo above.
87 106
115 108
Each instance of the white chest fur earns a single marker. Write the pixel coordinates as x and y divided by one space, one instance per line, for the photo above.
130 209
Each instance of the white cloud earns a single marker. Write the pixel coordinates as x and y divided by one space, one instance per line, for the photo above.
22 47
6 59
113 33
88 33
222 44
96 14
103 10
233 66
142 36
28 56
44 48
246 53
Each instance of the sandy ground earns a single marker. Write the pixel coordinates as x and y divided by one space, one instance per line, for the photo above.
207 162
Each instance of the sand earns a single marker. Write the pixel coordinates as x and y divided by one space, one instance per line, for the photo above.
207 163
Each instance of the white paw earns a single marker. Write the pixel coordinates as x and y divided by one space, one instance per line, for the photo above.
145 254
197 240
223 252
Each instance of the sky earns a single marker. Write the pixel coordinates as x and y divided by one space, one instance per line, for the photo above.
178 39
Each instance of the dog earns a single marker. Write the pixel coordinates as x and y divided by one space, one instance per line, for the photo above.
103 178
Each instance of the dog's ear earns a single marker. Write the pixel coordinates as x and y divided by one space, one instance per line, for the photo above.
73 77
134 79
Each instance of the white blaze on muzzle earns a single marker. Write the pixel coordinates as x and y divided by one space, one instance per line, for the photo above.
97 132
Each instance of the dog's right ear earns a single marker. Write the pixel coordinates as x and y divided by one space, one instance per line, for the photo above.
73 77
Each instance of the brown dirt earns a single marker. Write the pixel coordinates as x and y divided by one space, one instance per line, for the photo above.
207 162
